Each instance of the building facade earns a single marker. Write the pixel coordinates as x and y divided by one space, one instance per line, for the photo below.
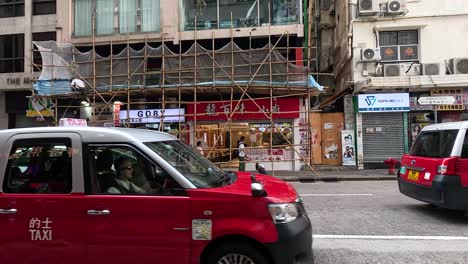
205 70
23 21
392 55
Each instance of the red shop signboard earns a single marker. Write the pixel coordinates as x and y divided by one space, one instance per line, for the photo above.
283 108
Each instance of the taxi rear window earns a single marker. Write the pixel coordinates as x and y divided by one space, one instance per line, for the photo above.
434 144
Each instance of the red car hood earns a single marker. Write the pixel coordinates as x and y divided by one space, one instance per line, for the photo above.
278 191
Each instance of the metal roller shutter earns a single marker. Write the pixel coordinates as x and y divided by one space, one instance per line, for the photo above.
383 136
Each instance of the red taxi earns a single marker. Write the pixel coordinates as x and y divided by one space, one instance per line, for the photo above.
110 195
436 169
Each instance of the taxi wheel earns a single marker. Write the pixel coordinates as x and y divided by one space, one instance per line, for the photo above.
236 253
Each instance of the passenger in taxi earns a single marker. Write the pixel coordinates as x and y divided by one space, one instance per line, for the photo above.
122 183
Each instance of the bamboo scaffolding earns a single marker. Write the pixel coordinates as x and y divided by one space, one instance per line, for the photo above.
194 94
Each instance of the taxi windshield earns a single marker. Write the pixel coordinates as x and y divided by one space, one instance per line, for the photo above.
189 162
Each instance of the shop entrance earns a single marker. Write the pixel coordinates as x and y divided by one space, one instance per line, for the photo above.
263 142
383 137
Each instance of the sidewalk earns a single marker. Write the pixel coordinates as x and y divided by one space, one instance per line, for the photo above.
339 175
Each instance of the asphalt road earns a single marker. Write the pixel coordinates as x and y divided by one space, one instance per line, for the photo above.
371 222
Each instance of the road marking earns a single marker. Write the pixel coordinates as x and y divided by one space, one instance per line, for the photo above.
390 237
335 194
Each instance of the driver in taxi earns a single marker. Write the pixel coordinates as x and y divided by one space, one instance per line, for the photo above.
122 183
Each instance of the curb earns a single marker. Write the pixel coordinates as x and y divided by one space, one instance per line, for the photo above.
336 179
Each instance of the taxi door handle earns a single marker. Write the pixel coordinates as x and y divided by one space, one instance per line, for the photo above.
8 211
182 229
99 212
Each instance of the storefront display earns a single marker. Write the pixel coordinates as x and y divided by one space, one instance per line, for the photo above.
264 141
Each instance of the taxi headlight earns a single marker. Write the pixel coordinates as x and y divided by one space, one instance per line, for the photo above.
283 213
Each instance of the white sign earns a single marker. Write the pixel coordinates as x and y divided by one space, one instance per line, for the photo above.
393 102
72 122
436 100
40 229
152 115
348 148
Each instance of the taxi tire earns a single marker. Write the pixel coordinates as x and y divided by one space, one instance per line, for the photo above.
246 249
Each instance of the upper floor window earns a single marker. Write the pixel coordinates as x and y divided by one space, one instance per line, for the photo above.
214 14
44 7
115 16
399 45
11 8
12 53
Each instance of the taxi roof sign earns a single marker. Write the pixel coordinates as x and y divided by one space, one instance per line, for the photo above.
73 122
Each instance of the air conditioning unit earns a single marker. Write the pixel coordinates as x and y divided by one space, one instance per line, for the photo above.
402 69
413 69
396 7
371 54
368 7
433 69
394 70
458 66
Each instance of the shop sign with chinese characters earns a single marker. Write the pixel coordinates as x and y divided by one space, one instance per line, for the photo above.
286 108
457 93
436 100
264 155
416 106
266 127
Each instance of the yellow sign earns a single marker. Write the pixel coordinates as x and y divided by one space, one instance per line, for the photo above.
457 93
44 113
446 91
413 175
40 107
457 107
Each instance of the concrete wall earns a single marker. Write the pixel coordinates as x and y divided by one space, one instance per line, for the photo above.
3 115
441 38
326 38
342 39
419 8
442 25
27 25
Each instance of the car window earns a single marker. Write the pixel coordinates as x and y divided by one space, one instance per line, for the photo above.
435 144
123 170
189 162
39 166
464 154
